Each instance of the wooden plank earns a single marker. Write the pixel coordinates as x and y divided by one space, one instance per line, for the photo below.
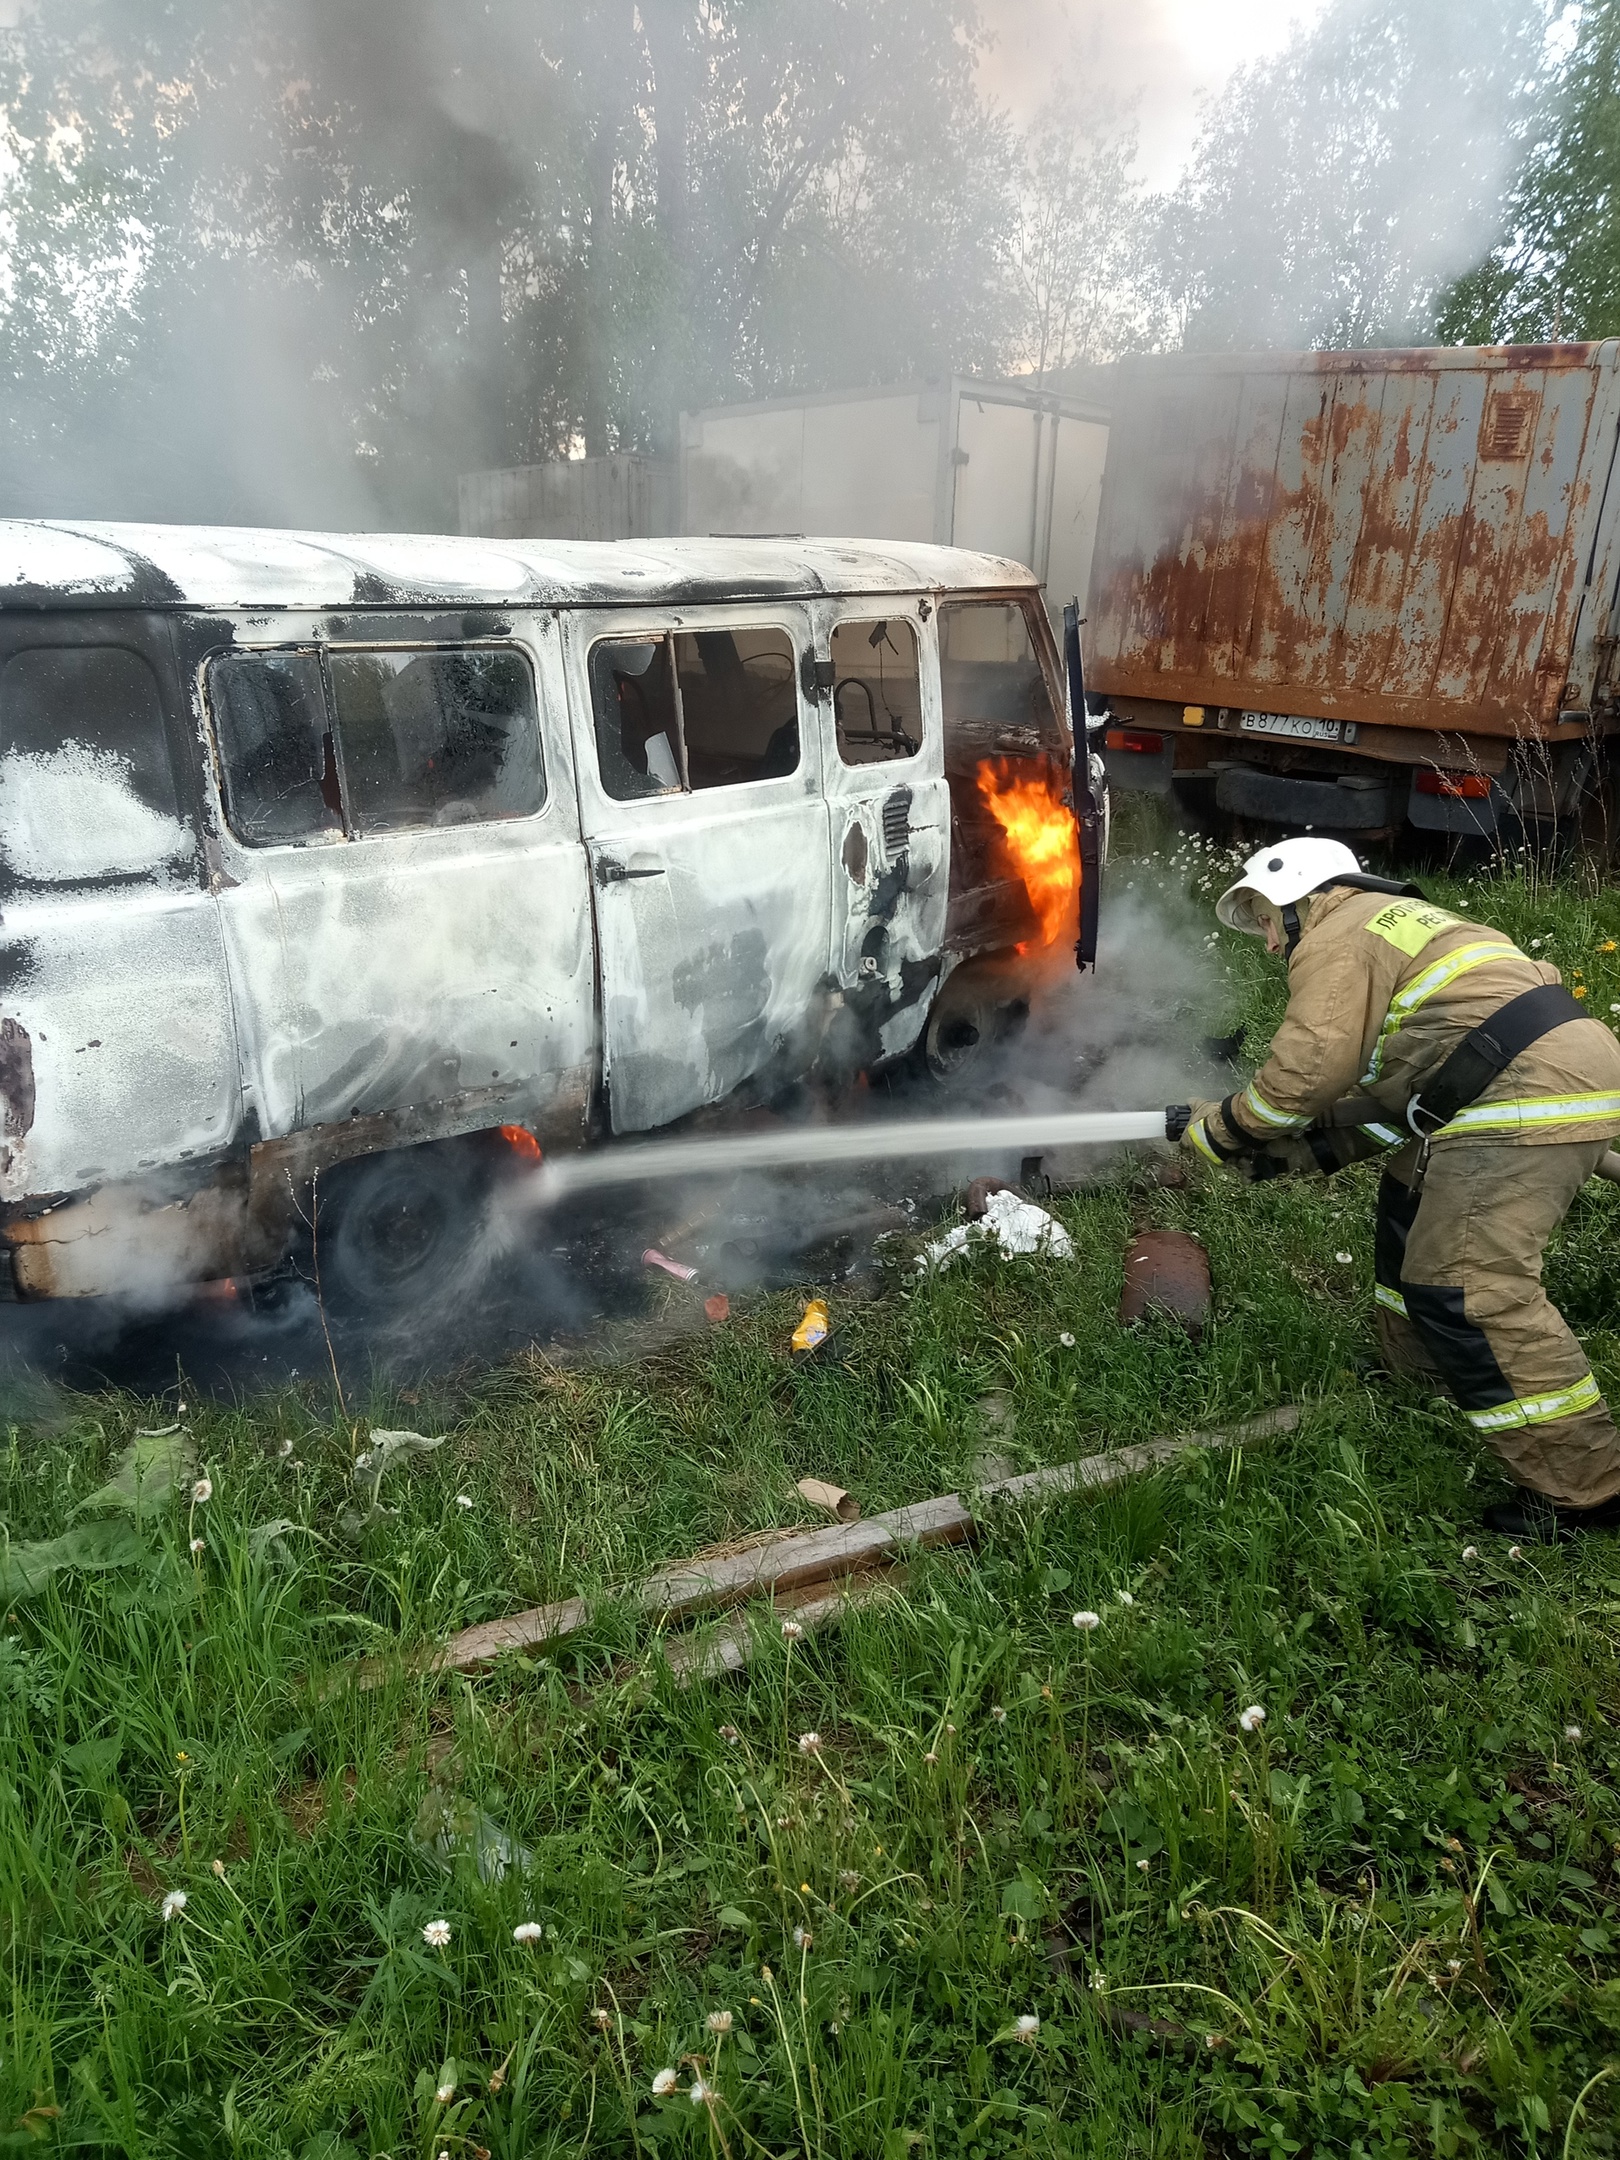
824 1556
728 1647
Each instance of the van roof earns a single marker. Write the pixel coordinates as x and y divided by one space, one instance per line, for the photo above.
52 563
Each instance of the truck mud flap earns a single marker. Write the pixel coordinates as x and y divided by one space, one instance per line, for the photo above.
1282 800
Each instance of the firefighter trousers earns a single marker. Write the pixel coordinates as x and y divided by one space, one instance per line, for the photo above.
1458 1267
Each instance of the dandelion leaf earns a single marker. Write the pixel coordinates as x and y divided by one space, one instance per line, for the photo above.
370 1468
26 1569
449 1828
148 1472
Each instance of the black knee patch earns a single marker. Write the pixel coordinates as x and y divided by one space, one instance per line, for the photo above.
1397 1211
1457 1344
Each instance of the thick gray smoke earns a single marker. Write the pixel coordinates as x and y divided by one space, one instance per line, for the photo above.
306 263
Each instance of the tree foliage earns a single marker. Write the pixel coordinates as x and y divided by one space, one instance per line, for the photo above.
1555 271
1338 188
310 260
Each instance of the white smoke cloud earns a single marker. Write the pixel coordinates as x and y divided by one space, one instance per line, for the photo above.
1165 55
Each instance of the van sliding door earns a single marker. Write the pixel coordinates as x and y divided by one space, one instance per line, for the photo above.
700 798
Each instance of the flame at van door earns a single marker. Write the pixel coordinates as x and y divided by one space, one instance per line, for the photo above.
1042 840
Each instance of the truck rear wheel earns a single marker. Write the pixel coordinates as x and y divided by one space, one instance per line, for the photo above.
401 1233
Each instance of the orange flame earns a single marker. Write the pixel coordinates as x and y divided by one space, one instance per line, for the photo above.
520 1141
1042 839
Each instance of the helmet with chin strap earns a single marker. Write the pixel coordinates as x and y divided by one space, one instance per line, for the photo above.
1284 874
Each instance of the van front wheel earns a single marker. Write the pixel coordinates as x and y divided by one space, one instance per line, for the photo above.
402 1232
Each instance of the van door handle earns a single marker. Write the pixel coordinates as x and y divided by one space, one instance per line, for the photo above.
609 872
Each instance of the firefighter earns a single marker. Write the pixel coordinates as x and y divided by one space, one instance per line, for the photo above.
1414 1033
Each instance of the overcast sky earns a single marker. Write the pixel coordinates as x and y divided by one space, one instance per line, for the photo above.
1165 53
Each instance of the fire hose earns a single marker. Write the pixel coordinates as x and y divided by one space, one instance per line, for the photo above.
643 1161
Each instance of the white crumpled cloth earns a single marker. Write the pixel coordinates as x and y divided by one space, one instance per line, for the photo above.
1017 1225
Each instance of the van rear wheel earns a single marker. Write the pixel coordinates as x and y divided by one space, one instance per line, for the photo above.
406 1231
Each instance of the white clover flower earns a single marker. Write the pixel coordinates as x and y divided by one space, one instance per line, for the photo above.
174 1905
998 1712
930 1757
1141 1867
1067 1340
1253 1718
718 2021
809 1743
1027 2026
1453 1965
527 1931
1573 1732
1515 1552
791 1631
802 1938
1470 1552
198 1545
701 2095
218 1868
285 1449
1086 1621
601 2019
464 1499
664 2083
444 2094
203 1490
437 1934
1344 1259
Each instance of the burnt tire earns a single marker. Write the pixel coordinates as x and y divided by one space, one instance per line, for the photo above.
974 1013
404 1233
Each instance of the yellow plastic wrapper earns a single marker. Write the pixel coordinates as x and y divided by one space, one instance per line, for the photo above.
813 1328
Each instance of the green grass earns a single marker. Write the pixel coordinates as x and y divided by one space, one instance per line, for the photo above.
1383 1924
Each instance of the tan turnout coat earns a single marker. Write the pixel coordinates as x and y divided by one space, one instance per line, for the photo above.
1380 991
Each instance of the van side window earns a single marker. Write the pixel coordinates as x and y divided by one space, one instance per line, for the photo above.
437 738
993 687
275 747
86 786
681 711
877 691
346 743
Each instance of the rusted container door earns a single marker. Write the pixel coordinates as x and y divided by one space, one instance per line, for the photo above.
1402 537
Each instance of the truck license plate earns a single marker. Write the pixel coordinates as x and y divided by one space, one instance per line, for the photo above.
1296 727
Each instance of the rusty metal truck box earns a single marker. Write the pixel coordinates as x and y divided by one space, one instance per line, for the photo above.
1370 585
334 868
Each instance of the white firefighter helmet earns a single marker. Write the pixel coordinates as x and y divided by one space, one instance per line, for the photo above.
1282 873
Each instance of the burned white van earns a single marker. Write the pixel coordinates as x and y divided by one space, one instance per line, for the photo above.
336 871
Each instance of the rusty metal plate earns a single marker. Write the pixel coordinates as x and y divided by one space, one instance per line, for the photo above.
1166 1271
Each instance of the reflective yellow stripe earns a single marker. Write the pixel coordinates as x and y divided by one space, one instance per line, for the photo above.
1195 1133
1523 1113
1536 1409
1278 1120
1388 1135
1439 977
1391 1300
